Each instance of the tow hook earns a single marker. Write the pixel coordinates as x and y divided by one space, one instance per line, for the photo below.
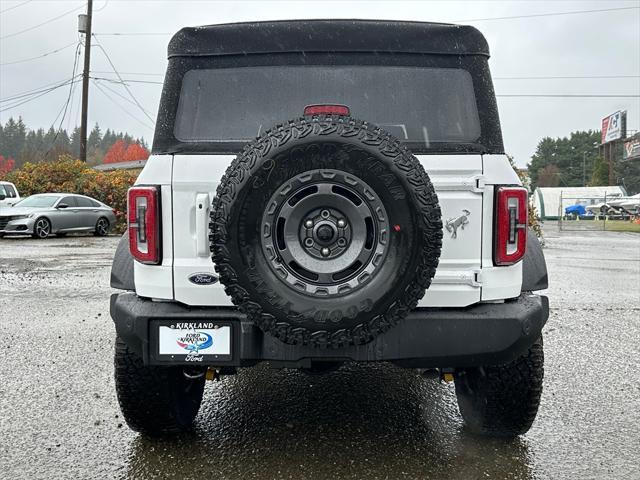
446 375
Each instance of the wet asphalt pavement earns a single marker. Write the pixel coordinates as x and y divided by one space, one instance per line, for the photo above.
59 417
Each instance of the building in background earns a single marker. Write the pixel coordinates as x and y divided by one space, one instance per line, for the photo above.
549 201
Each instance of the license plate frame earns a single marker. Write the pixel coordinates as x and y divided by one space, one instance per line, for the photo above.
195 348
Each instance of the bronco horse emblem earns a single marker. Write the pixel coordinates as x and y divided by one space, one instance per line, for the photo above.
453 223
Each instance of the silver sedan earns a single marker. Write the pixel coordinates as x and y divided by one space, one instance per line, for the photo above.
56 213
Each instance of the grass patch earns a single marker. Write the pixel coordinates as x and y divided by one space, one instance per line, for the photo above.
599 225
622 226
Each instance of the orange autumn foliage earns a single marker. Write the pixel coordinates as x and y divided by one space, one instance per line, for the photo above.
121 152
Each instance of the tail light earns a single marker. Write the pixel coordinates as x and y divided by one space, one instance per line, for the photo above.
510 225
144 224
326 110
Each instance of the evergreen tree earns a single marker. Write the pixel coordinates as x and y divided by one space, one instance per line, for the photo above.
94 139
600 176
75 142
567 154
23 145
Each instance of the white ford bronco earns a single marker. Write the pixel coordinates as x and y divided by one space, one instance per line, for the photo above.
322 192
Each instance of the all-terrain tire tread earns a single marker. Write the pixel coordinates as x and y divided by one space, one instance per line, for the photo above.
145 395
424 197
503 400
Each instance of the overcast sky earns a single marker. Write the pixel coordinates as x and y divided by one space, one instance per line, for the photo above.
576 45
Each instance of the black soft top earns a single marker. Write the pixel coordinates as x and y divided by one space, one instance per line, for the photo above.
290 36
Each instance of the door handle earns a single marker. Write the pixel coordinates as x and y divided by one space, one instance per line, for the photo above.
202 223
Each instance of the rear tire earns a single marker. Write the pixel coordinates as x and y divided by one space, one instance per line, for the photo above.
102 227
155 400
502 401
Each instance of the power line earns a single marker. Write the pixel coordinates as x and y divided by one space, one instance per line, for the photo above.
569 95
123 84
130 73
99 87
15 6
39 56
34 97
75 85
128 80
128 100
43 23
567 77
65 106
106 2
513 17
18 97
550 14
132 34
549 77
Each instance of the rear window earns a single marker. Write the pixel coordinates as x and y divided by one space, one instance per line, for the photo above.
417 104
84 202
8 191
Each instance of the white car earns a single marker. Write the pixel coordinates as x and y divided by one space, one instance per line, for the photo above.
8 194
375 218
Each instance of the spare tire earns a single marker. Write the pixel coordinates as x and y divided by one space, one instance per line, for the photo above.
325 231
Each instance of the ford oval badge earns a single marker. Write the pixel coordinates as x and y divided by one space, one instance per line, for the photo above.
203 278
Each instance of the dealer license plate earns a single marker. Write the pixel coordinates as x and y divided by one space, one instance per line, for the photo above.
189 339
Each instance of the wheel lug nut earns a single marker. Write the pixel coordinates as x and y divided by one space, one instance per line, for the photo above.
308 242
325 252
308 223
342 223
342 242
325 214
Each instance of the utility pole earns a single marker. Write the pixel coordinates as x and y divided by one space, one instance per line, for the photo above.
84 26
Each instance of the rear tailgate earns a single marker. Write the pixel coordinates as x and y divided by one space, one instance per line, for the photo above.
458 183
195 180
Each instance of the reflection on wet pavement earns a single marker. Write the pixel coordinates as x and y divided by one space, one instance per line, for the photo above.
374 421
59 417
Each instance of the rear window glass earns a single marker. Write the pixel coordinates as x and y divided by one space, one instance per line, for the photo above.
417 104
84 202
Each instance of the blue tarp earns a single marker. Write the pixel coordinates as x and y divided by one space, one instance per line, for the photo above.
575 209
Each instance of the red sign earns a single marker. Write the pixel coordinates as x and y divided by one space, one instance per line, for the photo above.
613 127
632 149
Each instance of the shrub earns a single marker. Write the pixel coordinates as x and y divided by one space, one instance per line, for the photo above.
6 165
533 220
73 176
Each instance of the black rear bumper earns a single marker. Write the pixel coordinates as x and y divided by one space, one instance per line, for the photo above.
483 334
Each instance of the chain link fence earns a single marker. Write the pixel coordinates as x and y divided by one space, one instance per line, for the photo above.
613 212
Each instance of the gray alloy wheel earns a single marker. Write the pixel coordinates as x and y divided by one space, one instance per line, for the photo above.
329 230
42 228
102 227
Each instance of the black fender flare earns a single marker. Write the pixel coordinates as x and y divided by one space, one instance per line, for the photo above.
534 266
122 267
